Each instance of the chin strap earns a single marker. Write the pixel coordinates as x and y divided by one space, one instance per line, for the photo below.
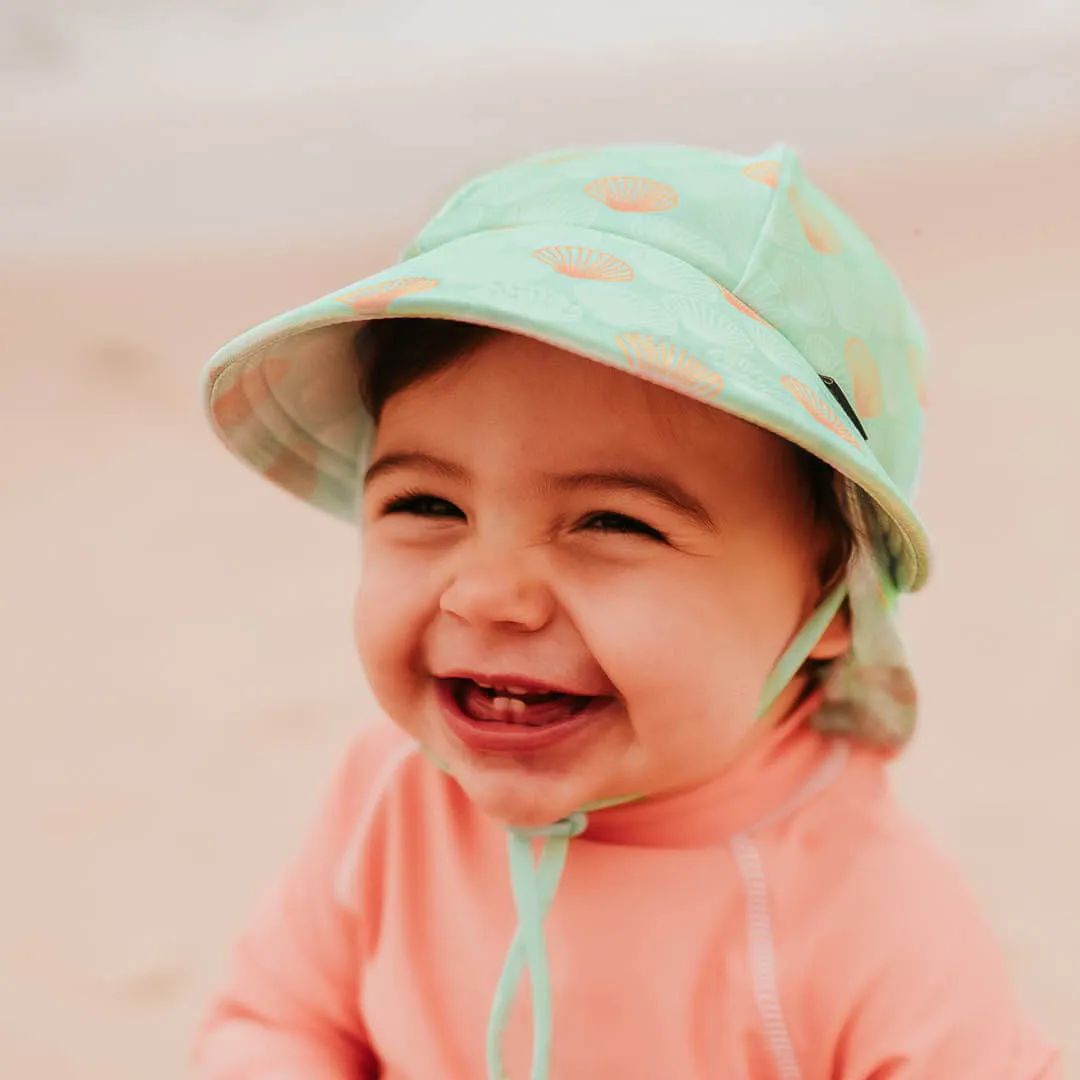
535 882
802 645
534 887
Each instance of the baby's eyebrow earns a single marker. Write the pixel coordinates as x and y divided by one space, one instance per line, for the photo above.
661 488
415 459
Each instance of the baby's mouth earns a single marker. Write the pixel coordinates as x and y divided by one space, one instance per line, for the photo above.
528 706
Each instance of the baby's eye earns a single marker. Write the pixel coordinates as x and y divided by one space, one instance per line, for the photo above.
606 521
428 506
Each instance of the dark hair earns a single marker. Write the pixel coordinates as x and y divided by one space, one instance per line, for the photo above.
395 353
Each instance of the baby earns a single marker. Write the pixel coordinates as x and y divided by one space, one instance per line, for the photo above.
630 436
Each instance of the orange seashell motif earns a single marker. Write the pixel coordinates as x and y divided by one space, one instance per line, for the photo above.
764 172
582 262
236 406
865 377
372 299
820 232
633 194
746 309
661 362
817 408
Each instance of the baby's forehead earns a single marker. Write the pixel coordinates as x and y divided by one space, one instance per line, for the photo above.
509 372
514 411
518 444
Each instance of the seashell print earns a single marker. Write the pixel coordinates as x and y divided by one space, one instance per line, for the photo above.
232 408
537 303
666 261
774 348
736 303
916 366
801 290
587 263
373 299
735 231
710 321
693 244
620 308
668 365
822 354
295 468
865 378
890 316
820 232
275 368
565 207
328 393
765 295
633 194
850 291
764 172
235 406
749 374
819 409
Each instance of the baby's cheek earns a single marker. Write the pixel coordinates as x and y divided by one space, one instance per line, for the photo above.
648 629
383 647
685 669
385 620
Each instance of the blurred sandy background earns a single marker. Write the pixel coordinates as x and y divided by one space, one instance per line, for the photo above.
176 675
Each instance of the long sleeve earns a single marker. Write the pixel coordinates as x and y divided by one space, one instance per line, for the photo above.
289 1010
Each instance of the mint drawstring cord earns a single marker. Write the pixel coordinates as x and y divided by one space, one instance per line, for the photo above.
535 883
802 645
534 888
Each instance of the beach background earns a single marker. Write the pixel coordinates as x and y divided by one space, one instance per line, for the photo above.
176 673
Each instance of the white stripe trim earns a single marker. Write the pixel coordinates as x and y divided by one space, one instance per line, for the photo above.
761 944
762 951
346 874
826 774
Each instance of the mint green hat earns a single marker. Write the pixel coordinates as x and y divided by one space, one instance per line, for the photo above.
732 280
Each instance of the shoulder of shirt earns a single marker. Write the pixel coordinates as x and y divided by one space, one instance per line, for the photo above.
891 892
384 779
374 761
377 744
873 919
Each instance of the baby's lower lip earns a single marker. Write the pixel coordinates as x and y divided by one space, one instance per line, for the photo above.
479 722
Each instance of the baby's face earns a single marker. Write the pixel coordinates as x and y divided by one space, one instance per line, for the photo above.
575 582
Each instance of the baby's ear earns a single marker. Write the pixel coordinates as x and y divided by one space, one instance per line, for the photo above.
837 637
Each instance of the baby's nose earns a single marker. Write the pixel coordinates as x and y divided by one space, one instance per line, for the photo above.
504 589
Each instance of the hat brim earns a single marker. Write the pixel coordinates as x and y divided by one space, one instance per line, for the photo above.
284 397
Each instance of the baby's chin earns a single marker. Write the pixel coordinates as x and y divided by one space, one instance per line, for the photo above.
526 803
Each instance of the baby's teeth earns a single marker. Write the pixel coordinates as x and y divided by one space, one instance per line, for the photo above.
508 705
519 690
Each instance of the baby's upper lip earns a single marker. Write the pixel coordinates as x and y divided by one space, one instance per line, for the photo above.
525 684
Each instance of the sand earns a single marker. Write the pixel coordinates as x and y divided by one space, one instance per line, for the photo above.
176 663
